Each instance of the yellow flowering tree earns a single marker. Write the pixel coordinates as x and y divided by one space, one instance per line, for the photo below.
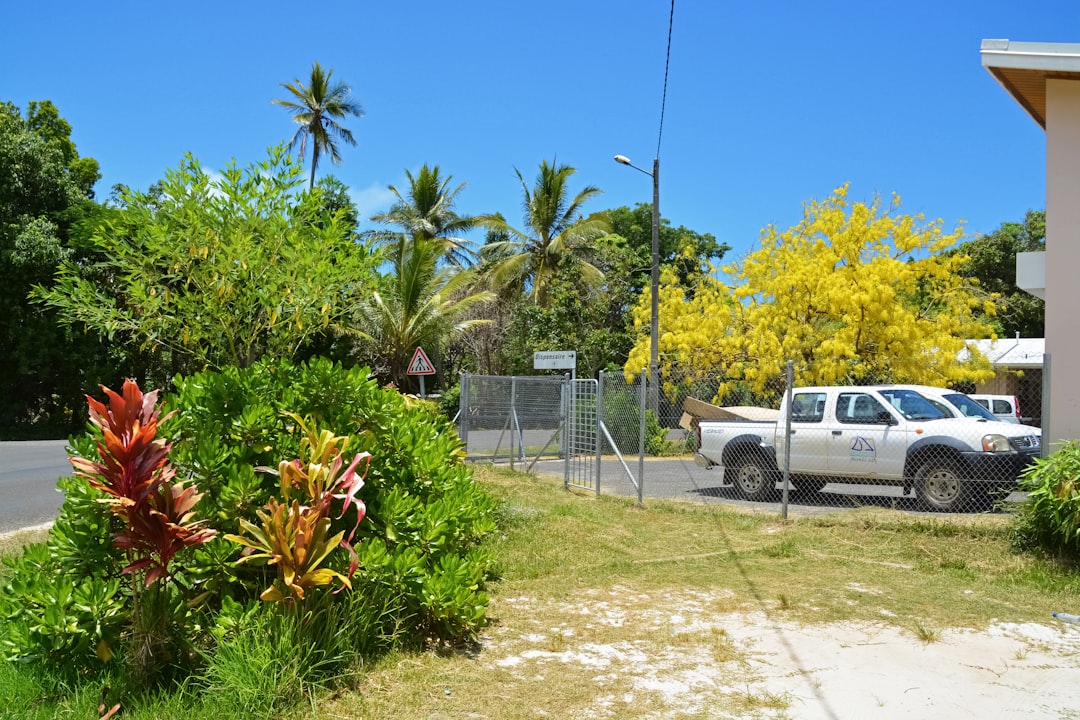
853 293
695 320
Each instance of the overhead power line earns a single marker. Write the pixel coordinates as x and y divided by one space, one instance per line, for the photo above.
667 66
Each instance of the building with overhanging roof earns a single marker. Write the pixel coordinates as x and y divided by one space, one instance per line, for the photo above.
1044 78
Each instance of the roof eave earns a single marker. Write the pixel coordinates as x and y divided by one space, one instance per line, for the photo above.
1022 68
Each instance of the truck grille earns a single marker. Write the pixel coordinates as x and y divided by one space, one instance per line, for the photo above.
1027 442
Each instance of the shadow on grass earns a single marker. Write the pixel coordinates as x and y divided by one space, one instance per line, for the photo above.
840 497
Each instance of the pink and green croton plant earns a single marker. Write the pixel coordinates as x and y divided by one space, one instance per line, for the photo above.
139 483
294 534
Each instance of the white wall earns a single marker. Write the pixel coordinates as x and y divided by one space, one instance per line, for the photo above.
1063 257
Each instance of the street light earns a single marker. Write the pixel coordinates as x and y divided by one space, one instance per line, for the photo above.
654 329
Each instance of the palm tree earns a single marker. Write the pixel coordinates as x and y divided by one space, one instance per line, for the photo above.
419 303
554 229
316 108
426 212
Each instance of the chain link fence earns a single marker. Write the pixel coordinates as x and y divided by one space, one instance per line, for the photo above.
905 447
513 420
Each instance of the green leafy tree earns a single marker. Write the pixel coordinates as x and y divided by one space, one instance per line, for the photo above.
591 319
681 247
43 118
333 342
218 272
597 318
554 228
316 108
991 259
418 303
483 350
335 197
426 212
44 212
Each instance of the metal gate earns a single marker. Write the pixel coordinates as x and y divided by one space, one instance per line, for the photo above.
556 421
582 437
519 420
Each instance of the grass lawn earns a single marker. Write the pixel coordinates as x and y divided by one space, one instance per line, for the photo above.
604 608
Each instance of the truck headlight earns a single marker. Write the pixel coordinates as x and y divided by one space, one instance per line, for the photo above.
996 443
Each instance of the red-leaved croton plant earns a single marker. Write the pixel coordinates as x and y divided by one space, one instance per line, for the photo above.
139 483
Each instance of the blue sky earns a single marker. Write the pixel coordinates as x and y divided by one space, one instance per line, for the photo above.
769 104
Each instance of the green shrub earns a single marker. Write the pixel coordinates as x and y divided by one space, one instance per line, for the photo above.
59 621
422 505
1050 519
656 442
450 402
622 415
419 577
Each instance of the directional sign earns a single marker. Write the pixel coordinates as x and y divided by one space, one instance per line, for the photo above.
555 360
420 365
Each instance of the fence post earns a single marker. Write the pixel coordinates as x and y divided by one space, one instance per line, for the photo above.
642 400
599 424
787 438
513 414
1044 447
463 410
567 411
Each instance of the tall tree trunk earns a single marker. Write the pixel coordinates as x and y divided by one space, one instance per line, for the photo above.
314 162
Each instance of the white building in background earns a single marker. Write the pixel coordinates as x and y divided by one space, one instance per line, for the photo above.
1009 354
1018 370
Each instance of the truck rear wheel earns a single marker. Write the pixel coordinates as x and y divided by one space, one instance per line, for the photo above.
942 487
752 477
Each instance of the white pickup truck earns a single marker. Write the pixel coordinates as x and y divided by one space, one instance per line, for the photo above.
871 435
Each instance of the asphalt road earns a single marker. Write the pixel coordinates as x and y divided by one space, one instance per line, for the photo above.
28 474
681 479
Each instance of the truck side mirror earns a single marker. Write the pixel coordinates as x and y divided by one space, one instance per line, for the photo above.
884 417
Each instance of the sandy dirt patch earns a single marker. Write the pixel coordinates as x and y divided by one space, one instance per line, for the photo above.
643 654
863 670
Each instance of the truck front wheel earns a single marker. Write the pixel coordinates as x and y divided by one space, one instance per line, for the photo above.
751 478
809 485
942 487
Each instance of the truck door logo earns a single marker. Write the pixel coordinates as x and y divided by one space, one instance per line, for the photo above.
862 450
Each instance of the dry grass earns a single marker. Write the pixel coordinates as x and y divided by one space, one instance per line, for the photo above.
11 543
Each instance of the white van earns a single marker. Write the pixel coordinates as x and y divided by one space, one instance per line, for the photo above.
976 407
955 404
1004 407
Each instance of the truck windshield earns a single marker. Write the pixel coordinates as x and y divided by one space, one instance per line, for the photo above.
912 405
969 407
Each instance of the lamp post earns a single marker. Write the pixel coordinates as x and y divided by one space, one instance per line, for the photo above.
654 329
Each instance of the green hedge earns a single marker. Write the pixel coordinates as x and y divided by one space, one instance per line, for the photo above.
1050 519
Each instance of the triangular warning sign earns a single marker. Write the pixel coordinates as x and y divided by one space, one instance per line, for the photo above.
420 365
